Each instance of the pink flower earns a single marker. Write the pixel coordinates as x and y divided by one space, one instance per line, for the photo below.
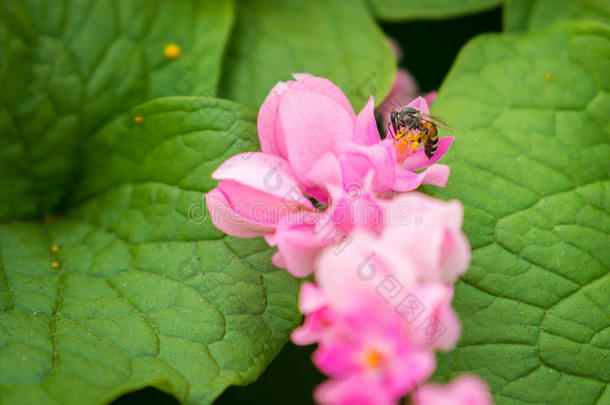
421 241
319 317
409 265
254 192
382 303
369 342
368 153
464 390
314 148
428 232
303 120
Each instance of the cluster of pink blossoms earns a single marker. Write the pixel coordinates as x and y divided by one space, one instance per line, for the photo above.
329 193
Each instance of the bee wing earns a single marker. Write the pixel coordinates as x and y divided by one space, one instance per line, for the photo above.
436 121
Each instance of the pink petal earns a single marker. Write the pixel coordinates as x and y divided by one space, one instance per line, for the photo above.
355 390
410 368
311 298
337 358
436 175
255 206
303 335
358 210
269 133
230 222
297 252
454 257
353 270
420 104
277 259
316 326
306 81
272 135
419 160
438 327
365 126
299 239
464 390
358 161
314 124
318 193
326 175
418 220
265 173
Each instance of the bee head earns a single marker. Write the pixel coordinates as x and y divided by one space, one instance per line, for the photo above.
394 119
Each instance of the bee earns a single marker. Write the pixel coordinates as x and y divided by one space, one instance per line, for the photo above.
414 128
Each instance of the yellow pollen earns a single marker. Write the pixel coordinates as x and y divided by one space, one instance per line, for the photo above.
137 119
172 51
547 77
372 359
54 248
55 265
402 147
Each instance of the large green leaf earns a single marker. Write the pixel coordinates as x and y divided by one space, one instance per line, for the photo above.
144 289
336 39
530 164
527 15
68 67
394 10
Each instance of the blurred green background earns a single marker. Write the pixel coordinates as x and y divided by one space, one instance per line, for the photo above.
429 49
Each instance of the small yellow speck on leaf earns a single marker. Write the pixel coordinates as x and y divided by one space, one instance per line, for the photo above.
54 248
547 77
172 51
138 119
55 265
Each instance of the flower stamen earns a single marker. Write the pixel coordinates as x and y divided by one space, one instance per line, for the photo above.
372 359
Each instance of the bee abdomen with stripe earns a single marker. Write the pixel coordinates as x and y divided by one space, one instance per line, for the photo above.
430 147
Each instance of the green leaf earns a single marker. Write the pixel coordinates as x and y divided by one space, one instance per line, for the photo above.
530 164
146 291
336 39
69 67
396 10
528 15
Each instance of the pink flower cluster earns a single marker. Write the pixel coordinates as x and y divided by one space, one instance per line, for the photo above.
315 149
336 201
382 307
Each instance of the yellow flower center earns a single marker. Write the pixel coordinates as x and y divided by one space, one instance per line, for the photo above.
407 142
372 359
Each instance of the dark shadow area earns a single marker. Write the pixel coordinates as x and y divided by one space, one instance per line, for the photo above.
290 379
430 47
148 396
